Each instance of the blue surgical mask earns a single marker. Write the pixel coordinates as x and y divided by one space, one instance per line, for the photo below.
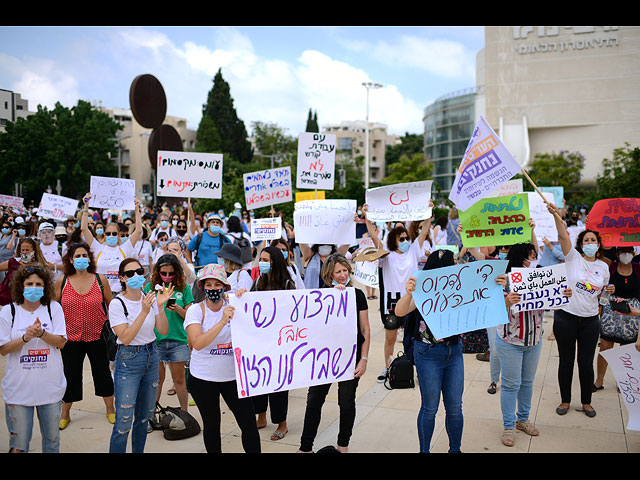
285 253
5 231
99 231
404 246
111 241
135 282
123 239
334 283
590 250
33 294
220 261
81 263
265 267
22 232
214 229
502 256
164 224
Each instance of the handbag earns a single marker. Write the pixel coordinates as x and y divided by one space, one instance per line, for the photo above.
623 328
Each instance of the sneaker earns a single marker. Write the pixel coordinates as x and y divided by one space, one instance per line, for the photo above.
483 357
528 428
381 378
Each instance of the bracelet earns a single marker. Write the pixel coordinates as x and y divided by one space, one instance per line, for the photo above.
25 341
43 332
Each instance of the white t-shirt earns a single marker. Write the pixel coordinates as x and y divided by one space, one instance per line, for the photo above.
170 231
240 279
586 279
108 260
52 255
143 251
134 307
396 270
34 375
215 362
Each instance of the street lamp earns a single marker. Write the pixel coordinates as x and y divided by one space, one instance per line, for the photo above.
368 86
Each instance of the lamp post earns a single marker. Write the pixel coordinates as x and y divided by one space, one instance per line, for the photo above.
368 86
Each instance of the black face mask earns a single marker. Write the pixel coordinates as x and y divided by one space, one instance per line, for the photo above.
214 294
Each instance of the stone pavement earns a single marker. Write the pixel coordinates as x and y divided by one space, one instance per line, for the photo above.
386 420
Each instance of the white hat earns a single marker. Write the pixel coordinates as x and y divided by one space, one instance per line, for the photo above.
45 226
237 205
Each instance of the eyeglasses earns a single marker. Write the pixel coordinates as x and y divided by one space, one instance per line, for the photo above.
131 273
402 239
111 234
34 268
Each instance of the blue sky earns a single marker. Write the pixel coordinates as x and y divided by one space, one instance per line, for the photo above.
275 73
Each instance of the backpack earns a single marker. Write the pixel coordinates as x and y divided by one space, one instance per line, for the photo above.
176 423
223 240
246 248
400 373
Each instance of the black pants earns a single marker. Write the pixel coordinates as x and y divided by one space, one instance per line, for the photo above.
73 355
571 330
207 397
315 400
278 403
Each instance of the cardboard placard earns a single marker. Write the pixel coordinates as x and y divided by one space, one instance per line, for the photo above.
617 220
189 174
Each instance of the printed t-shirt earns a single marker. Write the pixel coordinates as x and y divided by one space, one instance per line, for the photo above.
396 270
586 279
108 260
146 334
215 362
34 374
176 329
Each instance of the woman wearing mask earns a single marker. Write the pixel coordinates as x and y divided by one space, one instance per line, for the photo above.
27 253
98 230
182 231
336 271
212 364
134 318
8 233
294 272
160 248
578 323
518 345
178 248
50 249
172 346
237 276
32 333
84 296
615 327
313 258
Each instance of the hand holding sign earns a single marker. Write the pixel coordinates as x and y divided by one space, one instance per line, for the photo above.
112 193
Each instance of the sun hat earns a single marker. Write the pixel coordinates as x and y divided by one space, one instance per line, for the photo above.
60 230
230 252
213 270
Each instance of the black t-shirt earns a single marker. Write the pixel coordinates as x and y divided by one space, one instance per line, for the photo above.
626 286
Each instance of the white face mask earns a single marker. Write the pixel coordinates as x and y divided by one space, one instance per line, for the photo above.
626 258
533 263
325 250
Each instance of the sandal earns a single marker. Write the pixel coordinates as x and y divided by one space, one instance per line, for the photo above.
595 389
171 391
492 388
528 428
508 438
278 435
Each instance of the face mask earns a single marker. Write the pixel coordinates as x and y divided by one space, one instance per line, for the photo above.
502 256
5 231
163 243
135 282
111 241
285 254
334 283
221 213
123 239
404 246
220 261
214 229
81 263
214 294
626 258
325 250
33 294
164 224
167 278
533 263
590 250
265 267
27 257
99 231
174 222
22 232
251 214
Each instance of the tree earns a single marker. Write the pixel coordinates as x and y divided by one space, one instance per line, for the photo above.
412 168
231 139
270 139
620 174
409 145
312 123
62 144
562 169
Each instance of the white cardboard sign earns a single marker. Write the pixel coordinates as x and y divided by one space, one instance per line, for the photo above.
399 202
112 193
266 229
325 222
539 288
624 362
267 187
57 207
316 161
189 174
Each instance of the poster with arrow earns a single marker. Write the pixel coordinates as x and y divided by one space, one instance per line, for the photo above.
189 174
316 161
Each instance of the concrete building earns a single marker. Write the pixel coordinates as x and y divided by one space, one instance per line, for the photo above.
350 143
543 90
12 107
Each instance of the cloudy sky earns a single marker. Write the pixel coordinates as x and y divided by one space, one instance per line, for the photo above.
276 74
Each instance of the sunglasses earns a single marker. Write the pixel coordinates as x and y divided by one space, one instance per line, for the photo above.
131 273
111 234
34 269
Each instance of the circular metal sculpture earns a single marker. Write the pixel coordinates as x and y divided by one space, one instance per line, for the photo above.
164 137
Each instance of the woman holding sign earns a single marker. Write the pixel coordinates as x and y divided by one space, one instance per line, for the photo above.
578 323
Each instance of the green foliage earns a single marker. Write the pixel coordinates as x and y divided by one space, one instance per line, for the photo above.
65 144
620 174
270 139
562 169
412 168
312 123
410 144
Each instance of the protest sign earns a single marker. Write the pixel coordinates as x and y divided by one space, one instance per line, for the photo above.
115 193
266 228
315 195
316 161
9 201
624 362
325 222
539 288
461 298
486 165
544 221
512 187
267 187
366 273
617 220
283 340
496 221
57 207
558 195
400 202
189 174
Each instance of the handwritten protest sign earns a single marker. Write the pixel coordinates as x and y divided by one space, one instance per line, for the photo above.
267 187
461 298
617 220
486 165
399 202
315 195
496 221
366 273
558 194
539 288
624 362
57 207
189 174
285 340
109 192
266 228
325 221
545 224
9 201
512 187
316 161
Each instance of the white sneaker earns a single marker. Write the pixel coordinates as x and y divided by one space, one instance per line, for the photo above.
381 378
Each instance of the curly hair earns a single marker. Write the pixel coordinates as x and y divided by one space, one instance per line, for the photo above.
580 239
179 283
67 260
329 266
392 237
19 277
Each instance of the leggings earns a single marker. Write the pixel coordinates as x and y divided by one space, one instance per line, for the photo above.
571 330
73 355
207 397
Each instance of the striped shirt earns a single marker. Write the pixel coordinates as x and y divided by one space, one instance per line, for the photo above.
524 328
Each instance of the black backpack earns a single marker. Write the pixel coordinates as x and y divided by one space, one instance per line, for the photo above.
246 248
400 373
176 423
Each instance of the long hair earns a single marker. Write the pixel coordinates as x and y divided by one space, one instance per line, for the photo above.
39 257
67 261
281 241
234 225
518 253
329 266
25 271
277 278
179 282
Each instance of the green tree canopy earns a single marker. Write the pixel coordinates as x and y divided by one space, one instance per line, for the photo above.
409 145
413 168
562 169
312 123
620 174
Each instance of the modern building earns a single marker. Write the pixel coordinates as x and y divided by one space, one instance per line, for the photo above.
351 143
544 90
12 107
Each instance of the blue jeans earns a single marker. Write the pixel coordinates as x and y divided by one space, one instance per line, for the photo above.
519 365
135 389
20 425
494 359
440 368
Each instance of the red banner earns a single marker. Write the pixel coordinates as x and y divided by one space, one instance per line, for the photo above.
617 220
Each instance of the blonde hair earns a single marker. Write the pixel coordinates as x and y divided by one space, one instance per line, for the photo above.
329 266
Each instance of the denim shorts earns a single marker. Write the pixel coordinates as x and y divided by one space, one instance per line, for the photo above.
172 351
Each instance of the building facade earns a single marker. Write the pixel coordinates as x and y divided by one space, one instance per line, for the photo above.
12 107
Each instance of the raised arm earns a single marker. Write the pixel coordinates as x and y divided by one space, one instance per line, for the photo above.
84 223
563 234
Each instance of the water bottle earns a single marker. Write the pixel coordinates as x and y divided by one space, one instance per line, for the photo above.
604 297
